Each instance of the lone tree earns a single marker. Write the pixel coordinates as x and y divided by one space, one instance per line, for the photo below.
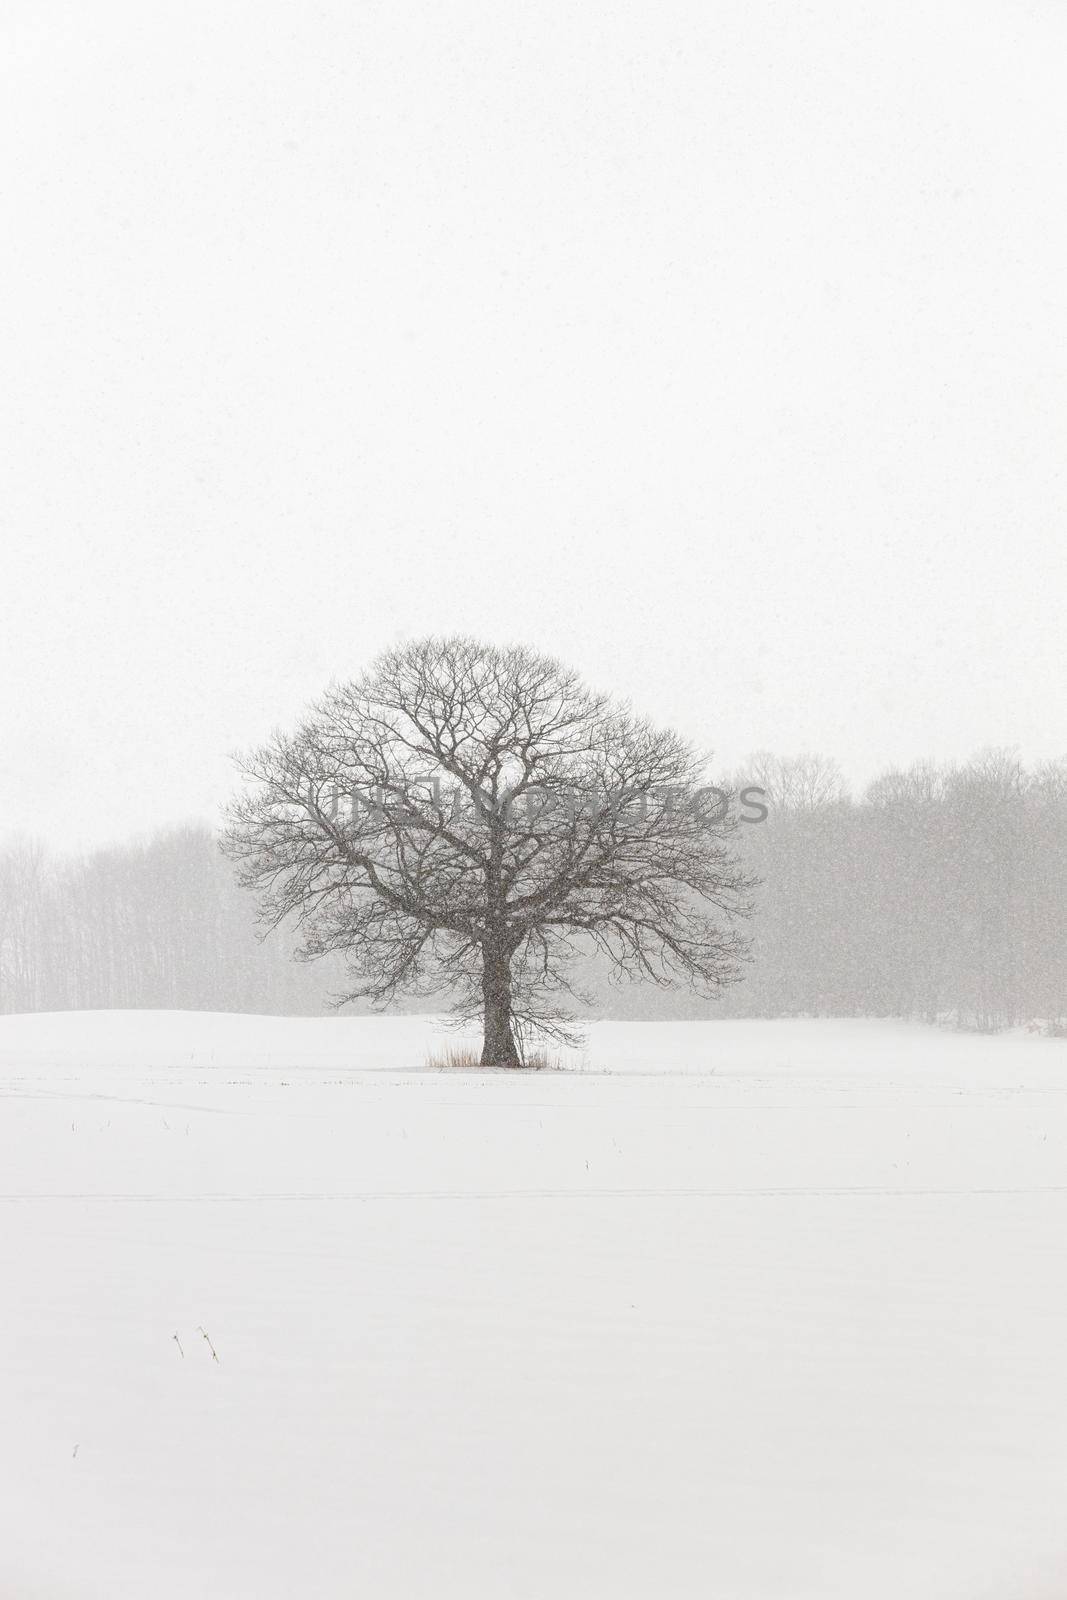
469 819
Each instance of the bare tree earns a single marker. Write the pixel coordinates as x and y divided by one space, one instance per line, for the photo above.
797 783
464 819
22 889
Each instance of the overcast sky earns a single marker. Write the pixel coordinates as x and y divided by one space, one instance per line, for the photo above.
719 349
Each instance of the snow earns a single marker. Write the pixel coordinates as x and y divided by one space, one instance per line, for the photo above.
742 1310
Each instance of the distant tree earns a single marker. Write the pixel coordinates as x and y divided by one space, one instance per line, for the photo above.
466 819
796 783
22 891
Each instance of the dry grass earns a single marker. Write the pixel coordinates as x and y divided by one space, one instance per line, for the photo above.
459 1056
541 1061
466 1058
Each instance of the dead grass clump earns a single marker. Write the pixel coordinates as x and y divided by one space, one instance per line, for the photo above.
541 1061
460 1056
466 1058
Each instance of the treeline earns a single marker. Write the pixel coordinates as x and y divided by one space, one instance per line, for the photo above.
155 924
940 893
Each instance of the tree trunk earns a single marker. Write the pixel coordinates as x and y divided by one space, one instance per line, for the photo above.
498 1049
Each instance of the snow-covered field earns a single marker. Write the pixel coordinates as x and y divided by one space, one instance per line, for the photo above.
743 1311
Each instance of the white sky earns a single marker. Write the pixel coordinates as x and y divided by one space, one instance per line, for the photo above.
717 348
